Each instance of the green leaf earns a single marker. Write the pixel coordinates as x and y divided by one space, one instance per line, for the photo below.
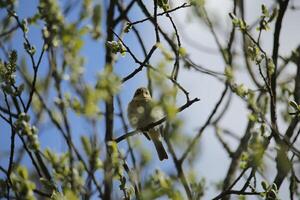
128 27
229 74
182 51
48 184
273 15
57 196
22 171
86 145
24 25
70 195
96 18
265 185
264 10
270 66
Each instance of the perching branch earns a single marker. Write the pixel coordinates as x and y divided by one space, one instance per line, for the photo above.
126 135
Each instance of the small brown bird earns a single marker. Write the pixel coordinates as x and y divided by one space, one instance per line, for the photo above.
141 112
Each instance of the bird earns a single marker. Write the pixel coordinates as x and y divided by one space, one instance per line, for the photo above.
141 112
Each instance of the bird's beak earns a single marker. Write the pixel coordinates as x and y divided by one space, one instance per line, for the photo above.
144 95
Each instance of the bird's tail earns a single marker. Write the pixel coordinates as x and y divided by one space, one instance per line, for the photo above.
162 154
155 136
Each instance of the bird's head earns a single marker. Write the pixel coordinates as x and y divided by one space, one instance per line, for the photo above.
142 93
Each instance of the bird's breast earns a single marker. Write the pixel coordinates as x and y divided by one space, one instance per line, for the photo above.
139 114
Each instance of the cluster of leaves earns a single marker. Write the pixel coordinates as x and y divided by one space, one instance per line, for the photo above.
6 3
257 56
159 185
254 51
21 184
167 93
127 27
240 89
247 94
58 32
254 154
198 189
199 6
8 77
50 12
266 17
65 175
163 4
88 10
239 23
108 83
92 152
117 166
165 52
26 129
116 47
96 19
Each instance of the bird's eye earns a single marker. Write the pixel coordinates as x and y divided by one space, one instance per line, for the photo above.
137 92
